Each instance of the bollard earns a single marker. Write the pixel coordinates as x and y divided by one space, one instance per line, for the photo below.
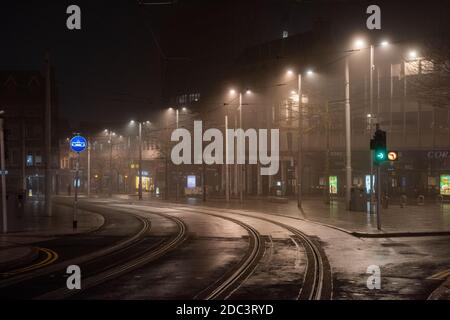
420 200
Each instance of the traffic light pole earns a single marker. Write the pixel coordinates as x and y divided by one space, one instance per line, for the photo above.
378 178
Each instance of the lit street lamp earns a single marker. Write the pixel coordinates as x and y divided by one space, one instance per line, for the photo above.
240 177
300 133
132 122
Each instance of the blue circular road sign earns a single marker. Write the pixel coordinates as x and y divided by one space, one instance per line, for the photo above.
78 143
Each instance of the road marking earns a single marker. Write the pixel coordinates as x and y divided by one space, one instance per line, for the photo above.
440 275
51 256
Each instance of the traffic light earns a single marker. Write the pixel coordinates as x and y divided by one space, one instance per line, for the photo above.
378 145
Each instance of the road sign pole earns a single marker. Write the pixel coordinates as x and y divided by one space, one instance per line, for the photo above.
75 203
78 144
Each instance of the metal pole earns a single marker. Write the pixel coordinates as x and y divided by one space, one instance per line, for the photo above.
227 171
140 161
110 163
241 166
348 167
378 178
177 172
391 92
204 181
327 156
75 203
89 169
48 139
371 68
3 175
300 143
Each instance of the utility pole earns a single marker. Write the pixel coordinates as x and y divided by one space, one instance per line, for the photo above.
140 161
48 138
3 175
227 172
300 143
89 169
348 166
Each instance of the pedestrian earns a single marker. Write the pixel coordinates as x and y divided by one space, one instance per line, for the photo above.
69 189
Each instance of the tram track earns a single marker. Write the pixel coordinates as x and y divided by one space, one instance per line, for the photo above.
317 281
130 263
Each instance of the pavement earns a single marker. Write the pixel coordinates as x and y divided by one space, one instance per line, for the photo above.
412 220
29 226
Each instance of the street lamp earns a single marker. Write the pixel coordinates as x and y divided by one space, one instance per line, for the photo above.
359 44
412 54
132 122
299 92
177 115
232 92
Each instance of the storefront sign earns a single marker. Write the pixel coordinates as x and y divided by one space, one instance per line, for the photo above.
444 184
443 154
333 184
191 181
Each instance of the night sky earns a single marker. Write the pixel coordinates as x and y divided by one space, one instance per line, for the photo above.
111 69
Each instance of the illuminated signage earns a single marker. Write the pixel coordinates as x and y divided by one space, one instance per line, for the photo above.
333 184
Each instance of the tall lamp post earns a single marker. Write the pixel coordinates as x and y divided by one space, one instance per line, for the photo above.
359 45
241 167
177 116
300 134
132 122
3 175
110 136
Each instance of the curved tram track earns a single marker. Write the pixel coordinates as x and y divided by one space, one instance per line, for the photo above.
317 282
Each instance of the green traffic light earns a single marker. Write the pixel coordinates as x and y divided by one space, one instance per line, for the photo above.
380 155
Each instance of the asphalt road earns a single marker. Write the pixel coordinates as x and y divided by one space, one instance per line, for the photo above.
170 251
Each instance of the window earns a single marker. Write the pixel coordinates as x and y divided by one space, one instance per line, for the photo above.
38 159
29 160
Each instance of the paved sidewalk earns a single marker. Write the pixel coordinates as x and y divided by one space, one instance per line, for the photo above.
412 220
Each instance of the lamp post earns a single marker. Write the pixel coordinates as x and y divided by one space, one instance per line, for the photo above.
300 142
360 44
348 150
240 167
89 169
139 155
140 161
3 175
110 163
300 134
177 117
